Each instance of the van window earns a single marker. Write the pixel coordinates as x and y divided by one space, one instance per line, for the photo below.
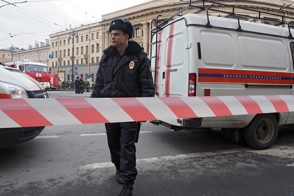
178 49
217 49
292 52
262 53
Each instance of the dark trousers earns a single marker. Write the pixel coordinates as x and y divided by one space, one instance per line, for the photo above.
77 89
121 139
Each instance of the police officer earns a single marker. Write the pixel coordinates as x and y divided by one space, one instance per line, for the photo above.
77 85
124 71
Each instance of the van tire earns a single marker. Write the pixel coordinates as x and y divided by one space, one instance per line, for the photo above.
262 131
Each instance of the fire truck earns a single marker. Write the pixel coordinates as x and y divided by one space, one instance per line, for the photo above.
38 71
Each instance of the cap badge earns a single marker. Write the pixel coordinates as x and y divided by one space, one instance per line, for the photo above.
131 65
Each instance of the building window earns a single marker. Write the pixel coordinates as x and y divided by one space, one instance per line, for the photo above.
82 50
82 38
64 53
138 33
97 59
60 43
63 62
92 60
92 48
52 64
86 60
68 52
86 37
56 43
56 63
60 53
97 47
87 48
82 61
55 54
77 39
92 36
77 51
77 61
68 41
68 62
64 42
97 35
53 44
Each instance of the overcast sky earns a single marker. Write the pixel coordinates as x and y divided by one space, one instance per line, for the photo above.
31 22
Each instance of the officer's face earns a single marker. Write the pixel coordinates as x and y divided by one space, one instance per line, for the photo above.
119 38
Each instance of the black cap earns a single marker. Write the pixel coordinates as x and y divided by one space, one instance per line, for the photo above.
123 25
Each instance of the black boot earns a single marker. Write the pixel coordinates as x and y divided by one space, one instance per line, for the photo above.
127 189
119 178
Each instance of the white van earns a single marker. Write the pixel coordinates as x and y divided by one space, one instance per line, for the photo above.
203 55
15 84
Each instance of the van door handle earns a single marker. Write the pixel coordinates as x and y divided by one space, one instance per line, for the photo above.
163 75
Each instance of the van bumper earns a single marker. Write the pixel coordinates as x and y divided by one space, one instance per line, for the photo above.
14 136
186 123
192 122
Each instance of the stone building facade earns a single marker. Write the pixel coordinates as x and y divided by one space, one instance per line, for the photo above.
88 41
5 55
39 53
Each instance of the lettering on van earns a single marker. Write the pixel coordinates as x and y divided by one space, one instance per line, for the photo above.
252 77
243 76
172 70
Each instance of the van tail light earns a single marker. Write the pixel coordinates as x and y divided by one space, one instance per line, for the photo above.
192 85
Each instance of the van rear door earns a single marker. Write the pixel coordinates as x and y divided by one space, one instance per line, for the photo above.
172 65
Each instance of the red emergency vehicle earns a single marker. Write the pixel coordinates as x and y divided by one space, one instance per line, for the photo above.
38 71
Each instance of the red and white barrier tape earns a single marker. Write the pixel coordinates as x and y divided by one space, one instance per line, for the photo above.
73 111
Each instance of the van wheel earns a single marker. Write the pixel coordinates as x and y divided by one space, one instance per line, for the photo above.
262 131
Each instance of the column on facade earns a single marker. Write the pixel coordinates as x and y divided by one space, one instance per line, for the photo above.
146 38
106 39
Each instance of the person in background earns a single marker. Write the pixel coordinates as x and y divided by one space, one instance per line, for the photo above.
68 84
64 85
82 86
77 85
124 71
87 86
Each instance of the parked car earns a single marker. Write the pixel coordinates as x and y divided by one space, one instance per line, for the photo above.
14 84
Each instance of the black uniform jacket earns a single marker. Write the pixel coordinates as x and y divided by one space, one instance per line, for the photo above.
124 76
